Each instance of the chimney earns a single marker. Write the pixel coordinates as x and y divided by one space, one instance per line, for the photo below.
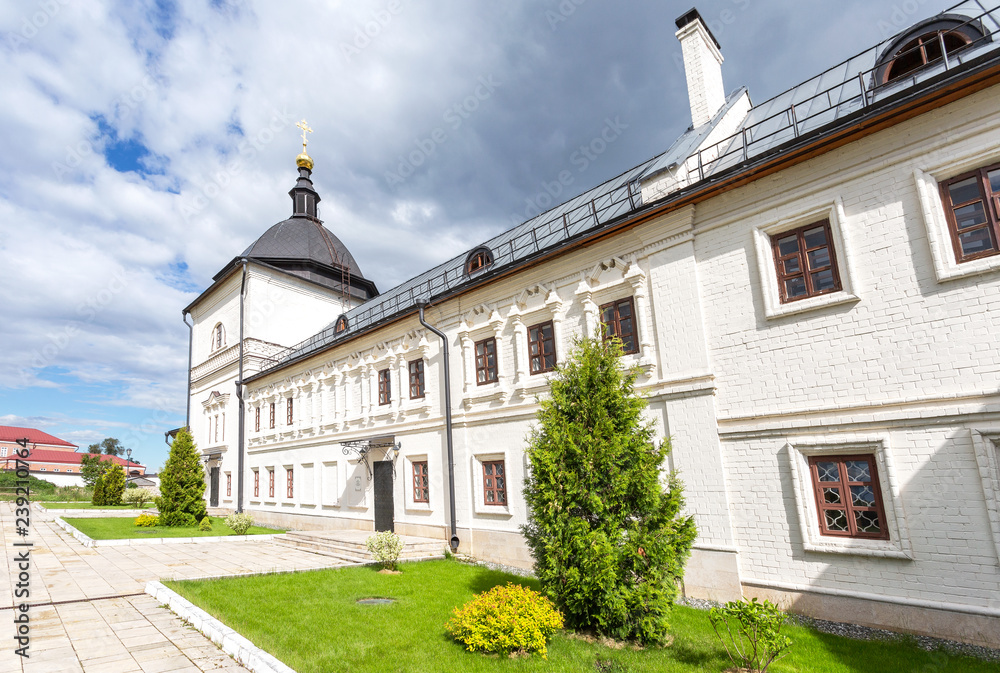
702 67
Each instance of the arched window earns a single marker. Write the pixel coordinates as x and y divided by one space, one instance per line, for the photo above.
479 259
218 337
340 325
921 46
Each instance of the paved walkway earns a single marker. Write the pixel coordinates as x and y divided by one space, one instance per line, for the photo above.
89 614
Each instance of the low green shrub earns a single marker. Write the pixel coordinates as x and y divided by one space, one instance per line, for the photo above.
177 518
137 497
385 547
504 620
205 525
239 523
751 633
147 520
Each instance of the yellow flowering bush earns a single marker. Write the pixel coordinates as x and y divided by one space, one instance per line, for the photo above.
504 620
147 520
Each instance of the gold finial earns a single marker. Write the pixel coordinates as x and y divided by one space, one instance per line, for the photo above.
304 160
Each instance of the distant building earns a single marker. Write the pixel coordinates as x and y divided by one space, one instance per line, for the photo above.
809 284
50 458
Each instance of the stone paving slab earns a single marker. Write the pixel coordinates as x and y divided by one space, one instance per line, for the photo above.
103 629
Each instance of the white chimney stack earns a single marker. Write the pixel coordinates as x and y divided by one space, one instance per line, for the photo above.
702 67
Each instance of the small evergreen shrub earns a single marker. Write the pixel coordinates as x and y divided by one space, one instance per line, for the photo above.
137 497
505 620
751 633
178 519
239 523
385 547
147 520
206 525
114 485
98 498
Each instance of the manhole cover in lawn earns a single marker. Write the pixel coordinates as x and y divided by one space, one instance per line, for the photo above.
376 601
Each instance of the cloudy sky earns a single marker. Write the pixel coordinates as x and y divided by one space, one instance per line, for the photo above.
147 143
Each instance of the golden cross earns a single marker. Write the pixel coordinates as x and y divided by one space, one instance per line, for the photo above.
305 129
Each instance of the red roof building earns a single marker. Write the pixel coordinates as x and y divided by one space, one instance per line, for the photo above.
10 434
51 458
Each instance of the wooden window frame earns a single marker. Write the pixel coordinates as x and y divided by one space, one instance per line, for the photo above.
991 205
290 483
614 328
384 387
540 343
229 485
490 485
421 493
270 483
289 410
478 260
485 374
256 483
805 271
847 504
273 404
416 369
256 422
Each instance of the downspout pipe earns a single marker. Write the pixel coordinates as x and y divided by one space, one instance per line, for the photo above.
187 417
239 397
421 305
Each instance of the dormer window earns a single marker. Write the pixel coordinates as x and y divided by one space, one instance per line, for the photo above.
478 260
922 46
218 337
340 325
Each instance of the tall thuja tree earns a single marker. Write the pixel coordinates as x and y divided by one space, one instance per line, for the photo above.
182 484
114 485
606 532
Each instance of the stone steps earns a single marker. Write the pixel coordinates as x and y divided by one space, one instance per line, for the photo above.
351 548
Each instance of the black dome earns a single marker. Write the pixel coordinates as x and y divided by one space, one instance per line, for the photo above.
301 239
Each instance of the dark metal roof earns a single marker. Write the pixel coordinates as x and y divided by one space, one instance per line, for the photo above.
839 95
302 238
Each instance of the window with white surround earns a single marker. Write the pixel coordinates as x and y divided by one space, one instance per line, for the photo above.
848 497
417 488
491 479
804 261
218 337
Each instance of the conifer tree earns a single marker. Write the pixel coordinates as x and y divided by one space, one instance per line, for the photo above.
182 484
98 497
114 485
606 533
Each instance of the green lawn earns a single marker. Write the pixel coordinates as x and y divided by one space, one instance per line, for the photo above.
312 622
87 505
124 528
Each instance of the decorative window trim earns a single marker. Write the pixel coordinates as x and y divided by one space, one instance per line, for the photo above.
410 501
541 351
773 308
800 450
218 337
418 379
932 207
614 328
479 494
986 443
496 361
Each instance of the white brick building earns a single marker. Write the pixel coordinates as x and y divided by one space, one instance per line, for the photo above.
810 285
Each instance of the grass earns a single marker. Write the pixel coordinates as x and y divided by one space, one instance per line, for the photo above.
87 505
124 528
311 621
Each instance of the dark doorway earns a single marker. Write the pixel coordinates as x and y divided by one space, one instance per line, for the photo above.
213 500
383 496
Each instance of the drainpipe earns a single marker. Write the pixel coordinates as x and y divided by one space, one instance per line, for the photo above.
187 418
421 305
239 397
